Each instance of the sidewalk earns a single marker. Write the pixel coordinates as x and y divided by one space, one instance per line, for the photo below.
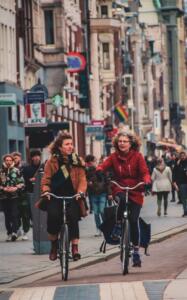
20 265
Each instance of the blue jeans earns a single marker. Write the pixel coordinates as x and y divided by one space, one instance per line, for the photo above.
98 204
183 196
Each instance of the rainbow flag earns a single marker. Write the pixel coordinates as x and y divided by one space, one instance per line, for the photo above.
121 113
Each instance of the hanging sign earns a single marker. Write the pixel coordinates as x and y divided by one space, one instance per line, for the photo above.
76 62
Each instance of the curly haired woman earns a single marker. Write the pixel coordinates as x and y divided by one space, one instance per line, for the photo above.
64 175
129 168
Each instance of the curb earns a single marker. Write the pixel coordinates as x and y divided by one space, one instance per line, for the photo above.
87 261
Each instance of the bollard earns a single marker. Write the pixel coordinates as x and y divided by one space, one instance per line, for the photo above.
40 236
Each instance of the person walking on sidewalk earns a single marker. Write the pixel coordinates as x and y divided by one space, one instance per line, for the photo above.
97 191
64 175
128 167
23 204
172 163
180 180
11 183
30 172
161 184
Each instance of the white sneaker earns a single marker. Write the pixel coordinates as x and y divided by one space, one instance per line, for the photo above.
25 237
98 233
9 238
19 234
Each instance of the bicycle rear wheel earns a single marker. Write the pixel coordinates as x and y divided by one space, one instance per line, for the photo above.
125 247
64 251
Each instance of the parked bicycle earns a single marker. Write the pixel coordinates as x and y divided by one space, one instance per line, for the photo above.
63 240
125 241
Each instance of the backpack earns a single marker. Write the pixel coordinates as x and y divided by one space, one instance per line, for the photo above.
112 231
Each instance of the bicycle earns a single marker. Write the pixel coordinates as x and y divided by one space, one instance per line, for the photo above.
125 242
63 240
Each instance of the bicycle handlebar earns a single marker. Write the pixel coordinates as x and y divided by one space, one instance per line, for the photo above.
127 187
65 197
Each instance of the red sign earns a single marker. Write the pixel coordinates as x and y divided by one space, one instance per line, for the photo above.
76 62
98 122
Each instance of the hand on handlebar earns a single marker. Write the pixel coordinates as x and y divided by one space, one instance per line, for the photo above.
46 195
147 188
80 195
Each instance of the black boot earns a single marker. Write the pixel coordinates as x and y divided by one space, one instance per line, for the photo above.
53 252
75 254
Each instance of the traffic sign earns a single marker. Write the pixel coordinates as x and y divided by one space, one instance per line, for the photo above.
7 100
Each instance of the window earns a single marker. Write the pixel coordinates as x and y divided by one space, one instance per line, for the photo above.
104 11
49 27
106 56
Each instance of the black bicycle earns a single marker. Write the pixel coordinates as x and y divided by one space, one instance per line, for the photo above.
125 241
63 240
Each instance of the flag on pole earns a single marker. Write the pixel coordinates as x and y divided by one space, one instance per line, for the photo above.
121 113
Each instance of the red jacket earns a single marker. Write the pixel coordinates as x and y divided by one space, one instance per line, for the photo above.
128 170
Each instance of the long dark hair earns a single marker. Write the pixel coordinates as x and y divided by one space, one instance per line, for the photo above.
54 146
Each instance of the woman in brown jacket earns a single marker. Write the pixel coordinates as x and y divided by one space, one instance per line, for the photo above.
64 174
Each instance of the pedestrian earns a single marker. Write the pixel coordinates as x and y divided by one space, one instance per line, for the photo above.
64 175
172 163
128 168
161 184
97 191
11 182
23 202
30 172
180 180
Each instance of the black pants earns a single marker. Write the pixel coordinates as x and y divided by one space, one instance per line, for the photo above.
134 213
10 209
54 217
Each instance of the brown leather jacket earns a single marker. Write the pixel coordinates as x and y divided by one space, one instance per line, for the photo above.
77 175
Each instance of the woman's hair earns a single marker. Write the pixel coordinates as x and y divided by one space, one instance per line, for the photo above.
54 146
134 140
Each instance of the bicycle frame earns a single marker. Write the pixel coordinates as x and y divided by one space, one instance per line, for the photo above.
125 244
63 248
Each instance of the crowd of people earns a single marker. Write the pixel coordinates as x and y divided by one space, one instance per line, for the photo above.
16 191
169 174
66 173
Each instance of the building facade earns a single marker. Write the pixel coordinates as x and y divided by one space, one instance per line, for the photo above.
12 134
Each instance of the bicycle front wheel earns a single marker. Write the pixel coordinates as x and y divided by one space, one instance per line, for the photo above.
125 247
64 251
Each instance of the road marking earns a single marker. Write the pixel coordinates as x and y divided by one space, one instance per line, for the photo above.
123 291
36 293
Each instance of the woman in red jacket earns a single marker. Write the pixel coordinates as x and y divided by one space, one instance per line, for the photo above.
128 168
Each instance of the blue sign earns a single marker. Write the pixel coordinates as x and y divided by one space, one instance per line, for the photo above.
37 97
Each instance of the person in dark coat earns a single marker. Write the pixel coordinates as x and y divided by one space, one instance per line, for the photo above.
23 204
30 172
97 191
180 180
129 168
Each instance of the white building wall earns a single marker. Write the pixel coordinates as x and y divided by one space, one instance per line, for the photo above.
7 41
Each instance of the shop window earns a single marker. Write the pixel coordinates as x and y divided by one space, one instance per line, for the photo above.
49 27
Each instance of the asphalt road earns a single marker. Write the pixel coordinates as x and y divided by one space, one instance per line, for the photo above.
167 259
